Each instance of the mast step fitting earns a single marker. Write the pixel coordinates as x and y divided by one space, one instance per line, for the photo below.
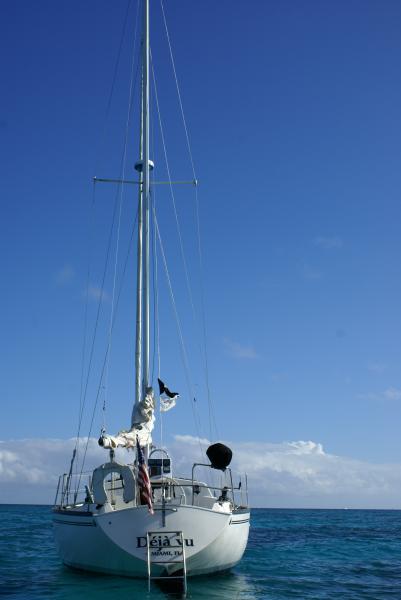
139 165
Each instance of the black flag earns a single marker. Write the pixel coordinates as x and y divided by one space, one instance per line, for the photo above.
164 390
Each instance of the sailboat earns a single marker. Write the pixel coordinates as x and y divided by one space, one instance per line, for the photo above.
140 518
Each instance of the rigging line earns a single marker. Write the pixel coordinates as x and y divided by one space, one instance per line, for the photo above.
157 320
130 244
112 303
153 250
212 416
154 290
96 326
188 285
157 327
156 334
184 355
210 402
99 303
85 332
103 281
116 65
100 297
121 189
104 275
178 90
156 311
82 403
155 308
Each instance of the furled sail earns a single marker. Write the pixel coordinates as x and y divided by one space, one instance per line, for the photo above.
143 420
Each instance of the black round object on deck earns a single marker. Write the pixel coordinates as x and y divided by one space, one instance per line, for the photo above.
219 455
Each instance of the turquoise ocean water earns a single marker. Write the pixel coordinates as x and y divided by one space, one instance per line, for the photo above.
347 554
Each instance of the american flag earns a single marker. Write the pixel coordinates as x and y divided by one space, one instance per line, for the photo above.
145 490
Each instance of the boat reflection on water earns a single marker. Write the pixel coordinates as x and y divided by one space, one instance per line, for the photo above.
229 585
81 586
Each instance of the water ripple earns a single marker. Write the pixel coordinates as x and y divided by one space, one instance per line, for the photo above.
304 554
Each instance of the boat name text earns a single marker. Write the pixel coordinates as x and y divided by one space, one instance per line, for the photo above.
162 541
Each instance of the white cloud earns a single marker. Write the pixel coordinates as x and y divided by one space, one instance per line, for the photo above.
377 368
310 272
305 448
65 275
30 468
96 293
302 474
278 376
287 474
328 243
391 393
237 350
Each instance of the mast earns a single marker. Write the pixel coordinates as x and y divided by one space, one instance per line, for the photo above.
142 342
139 278
146 194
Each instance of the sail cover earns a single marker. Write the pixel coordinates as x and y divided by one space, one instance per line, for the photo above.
143 420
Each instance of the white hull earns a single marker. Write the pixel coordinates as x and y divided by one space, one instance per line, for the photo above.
115 542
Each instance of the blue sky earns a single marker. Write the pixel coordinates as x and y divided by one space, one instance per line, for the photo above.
294 118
